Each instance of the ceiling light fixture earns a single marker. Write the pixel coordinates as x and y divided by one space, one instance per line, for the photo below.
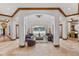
38 16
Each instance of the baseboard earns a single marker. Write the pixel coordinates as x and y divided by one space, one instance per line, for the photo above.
56 45
78 40
17 37
21 46
64 38
12 39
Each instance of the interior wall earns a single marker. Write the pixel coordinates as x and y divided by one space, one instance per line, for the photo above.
26 13
76 17
45 20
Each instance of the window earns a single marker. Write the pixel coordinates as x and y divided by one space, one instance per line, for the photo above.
39 28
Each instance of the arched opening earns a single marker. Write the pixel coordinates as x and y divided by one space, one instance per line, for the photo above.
41 28
51 22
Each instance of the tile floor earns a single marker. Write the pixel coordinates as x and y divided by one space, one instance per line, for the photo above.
67 48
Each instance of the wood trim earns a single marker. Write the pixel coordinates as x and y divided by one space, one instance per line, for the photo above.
72 15
38 9
3 21
59 9
5 15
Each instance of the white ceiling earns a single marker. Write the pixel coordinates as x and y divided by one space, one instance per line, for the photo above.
9 8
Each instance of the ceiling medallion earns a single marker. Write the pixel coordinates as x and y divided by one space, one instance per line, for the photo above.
38 16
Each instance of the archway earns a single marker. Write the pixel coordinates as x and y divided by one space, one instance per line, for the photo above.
40 27
22 26
4 25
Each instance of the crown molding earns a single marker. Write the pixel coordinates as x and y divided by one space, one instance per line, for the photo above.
56 8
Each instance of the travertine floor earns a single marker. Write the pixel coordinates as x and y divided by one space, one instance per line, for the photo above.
67 48
4 39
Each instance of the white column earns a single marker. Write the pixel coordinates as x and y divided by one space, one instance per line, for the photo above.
26 25
21 32
69 27
78 36
65 29
78 31
7 30
10 28
52 28
56 32
17 29
13 30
